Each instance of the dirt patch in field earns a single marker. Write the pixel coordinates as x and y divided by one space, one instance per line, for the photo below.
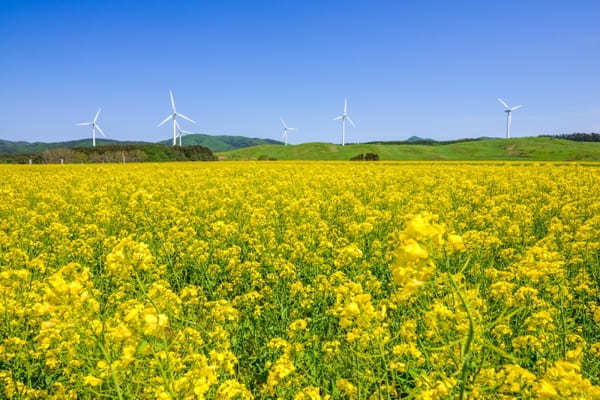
511 151
333 148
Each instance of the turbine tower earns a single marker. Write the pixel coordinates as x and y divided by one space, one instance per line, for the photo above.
285 131
95 126
508 110
344 116
181 132
174 116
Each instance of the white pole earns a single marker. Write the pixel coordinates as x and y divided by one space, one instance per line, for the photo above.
174 132
508 118
93 136
343 131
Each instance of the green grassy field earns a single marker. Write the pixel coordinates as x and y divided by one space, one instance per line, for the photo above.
535 148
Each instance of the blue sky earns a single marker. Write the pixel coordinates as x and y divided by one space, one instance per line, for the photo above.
431 69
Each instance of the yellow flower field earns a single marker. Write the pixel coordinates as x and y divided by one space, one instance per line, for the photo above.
305 281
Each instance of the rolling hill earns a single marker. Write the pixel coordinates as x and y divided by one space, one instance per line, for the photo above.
214 143
222 142
533 148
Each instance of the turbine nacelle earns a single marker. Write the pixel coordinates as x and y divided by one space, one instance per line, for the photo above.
94 126
173 116
285 130
508 110
343 117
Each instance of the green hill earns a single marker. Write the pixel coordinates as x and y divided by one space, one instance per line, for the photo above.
116 153
214 143
534 148
10 147
222 142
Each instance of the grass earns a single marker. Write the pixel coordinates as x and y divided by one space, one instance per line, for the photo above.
534 148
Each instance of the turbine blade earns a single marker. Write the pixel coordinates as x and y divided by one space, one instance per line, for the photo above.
283 122
345 105
338 117
516 108
292 129
181 131
99 130
98 113
84 123
172 100
503 102
188 118
166 119
351 122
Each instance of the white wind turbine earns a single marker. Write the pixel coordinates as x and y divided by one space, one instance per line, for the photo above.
181 132
174 116
508 110
344 116
94 126
285 131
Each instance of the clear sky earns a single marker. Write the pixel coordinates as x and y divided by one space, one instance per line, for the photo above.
428 68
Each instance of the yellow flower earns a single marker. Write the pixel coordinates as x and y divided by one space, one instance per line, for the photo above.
92 381
233 390
419 280
279 371
456 242
347 388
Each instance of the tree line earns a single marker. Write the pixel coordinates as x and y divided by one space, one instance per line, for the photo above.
577 137
112 154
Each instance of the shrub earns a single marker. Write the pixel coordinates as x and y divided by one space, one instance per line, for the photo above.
365 157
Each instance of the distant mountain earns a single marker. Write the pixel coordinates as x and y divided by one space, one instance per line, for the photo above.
414 140
419 139
222 142
214 143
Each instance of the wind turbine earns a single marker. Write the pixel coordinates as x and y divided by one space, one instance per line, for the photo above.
285 131
94 127
508 110
181 132
174 116
344 116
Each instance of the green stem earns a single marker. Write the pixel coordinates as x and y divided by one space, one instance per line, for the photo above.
385 363
112 371
467 347
167 375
